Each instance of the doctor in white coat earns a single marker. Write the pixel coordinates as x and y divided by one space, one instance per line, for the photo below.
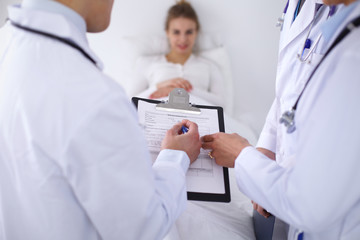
73 161
293 72
302 23
317 193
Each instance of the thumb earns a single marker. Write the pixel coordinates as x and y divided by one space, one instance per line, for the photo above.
176 128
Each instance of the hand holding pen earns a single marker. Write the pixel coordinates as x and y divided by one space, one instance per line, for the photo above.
176 139
184 129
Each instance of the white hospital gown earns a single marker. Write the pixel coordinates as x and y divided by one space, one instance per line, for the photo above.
205 77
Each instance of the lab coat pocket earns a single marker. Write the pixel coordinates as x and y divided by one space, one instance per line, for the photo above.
314 59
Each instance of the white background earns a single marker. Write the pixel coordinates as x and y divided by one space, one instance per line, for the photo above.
247 30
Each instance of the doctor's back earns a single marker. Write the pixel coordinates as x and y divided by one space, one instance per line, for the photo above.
36 162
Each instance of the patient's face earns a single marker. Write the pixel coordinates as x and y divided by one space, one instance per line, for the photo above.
182 34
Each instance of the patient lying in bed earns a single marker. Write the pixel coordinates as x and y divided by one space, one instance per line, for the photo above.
197 75
179 67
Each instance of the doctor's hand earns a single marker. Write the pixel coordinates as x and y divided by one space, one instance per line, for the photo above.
225 147
188 142
175 83
260 210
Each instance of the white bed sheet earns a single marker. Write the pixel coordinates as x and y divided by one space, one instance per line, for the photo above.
213 220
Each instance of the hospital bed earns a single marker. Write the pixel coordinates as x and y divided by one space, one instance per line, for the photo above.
201 220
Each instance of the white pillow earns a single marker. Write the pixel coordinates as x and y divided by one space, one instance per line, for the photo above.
207 46
132 47
220 57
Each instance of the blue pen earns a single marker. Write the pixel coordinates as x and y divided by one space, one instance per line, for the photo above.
307 45
184 129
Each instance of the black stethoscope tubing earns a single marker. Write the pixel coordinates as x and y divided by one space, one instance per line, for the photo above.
288 117
63 40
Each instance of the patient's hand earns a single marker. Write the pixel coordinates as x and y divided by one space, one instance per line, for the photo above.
175 83
188 142
161 92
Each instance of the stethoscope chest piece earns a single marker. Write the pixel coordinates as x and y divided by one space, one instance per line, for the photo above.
287 119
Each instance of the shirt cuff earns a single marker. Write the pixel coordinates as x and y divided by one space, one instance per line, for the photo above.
174 157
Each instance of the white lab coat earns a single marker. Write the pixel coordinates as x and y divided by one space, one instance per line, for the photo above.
290 80
73 161
319 193
291 75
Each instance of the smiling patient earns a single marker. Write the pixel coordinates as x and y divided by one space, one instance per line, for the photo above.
180 67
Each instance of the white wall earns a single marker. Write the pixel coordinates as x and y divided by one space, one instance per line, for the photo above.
247 29
3 9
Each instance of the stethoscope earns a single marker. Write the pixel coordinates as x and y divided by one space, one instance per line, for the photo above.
307 43
288 117
63 40
280 22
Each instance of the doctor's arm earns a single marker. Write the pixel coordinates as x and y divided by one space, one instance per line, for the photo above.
267 140
319 190
111 173
225 149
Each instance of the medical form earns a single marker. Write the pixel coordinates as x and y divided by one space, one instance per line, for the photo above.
204 175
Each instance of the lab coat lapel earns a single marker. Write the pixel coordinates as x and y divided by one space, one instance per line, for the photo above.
54 24
302 22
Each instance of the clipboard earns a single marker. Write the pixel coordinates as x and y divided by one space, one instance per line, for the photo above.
178 104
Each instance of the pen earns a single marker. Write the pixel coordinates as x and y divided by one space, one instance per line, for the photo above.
307 45
184 129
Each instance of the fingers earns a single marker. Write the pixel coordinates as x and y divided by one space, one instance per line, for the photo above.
207 146
255 206
193 127
175 83
182 83
208 138
208 141
161 92
261 211
155 94
187 85
176 129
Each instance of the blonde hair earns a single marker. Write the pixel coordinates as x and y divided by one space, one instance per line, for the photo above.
183 9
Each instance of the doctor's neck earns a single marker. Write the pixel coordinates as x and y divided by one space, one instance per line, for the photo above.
95 13
335 2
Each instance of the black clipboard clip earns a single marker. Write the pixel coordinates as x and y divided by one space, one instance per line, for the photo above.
178 102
